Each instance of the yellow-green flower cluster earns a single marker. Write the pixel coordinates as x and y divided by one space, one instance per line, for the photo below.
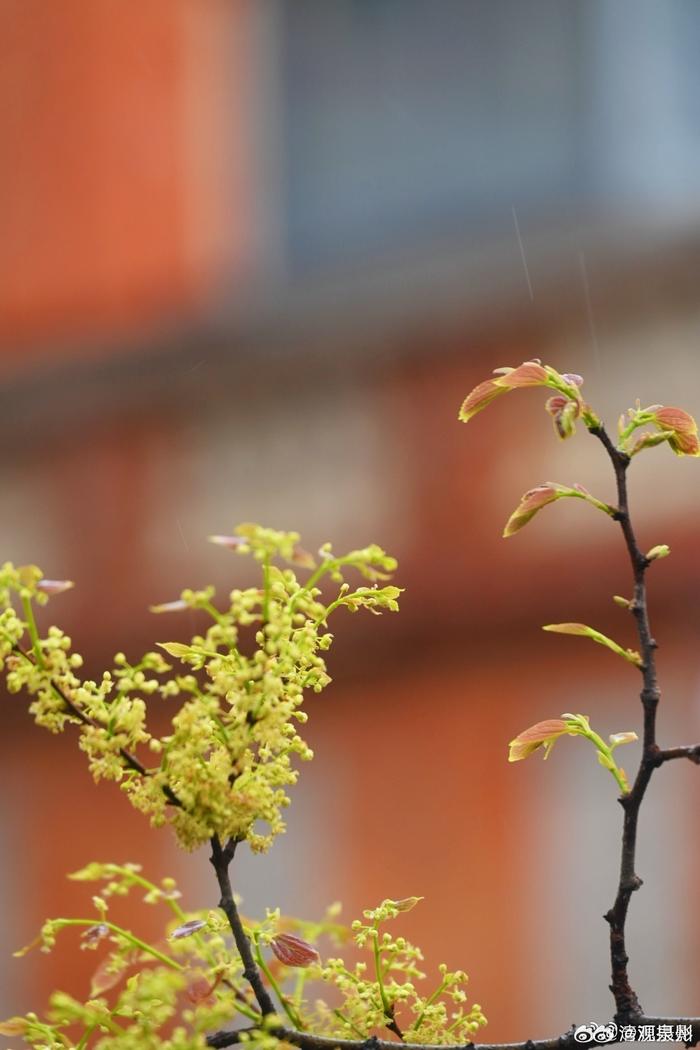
385 994
168 995
225 767
143 995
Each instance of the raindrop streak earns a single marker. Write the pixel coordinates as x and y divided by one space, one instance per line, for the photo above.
194 367
522 254
182 535
589 310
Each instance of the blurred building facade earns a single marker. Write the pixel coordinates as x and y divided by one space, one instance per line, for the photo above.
252 258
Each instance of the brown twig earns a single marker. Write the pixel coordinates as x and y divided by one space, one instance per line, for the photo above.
627 1004
221 857
691 751
568 1041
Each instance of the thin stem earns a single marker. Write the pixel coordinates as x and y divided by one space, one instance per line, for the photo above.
341 1017
85 1036
266 590
32 629
145 884
313 579
607 752
221 857
127 935
387 1007
286 1005
429 1002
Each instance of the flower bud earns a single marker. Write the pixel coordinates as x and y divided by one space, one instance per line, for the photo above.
623 738
660 551
175 606
232 542
54 586
187 929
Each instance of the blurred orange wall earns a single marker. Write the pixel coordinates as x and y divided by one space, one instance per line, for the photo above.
114 192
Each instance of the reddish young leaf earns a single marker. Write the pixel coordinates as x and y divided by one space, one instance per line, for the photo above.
541 734
683 437
531 502
529 373
481 396
676 419
293 951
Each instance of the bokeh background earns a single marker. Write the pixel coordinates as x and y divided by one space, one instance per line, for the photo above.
253 254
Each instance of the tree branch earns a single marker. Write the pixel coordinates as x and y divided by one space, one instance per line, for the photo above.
628 1008
221 857
567 1041
627 1004
692 752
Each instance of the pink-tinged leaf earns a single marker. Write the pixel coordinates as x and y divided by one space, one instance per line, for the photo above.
540 496
569 628
187 929
685 444
555 404
676 419
683 436
564 413
582 629
529 373
531 502
54 586
481 396
542 734
293 951
572 378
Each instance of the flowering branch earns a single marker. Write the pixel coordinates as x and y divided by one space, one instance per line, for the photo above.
130 760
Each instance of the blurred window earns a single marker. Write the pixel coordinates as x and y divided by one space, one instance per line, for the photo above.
406 119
